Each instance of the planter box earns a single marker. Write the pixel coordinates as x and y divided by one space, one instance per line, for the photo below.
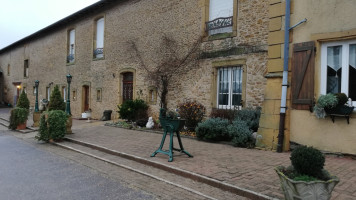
36 119
69 125
313 190
177 124
21 126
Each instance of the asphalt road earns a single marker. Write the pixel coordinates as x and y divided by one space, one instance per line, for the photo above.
30 173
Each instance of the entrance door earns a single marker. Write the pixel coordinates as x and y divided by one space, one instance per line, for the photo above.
127 86
86 97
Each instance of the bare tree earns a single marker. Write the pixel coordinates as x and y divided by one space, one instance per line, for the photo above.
173 59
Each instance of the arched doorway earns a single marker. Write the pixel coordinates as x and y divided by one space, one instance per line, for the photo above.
85 98
127 86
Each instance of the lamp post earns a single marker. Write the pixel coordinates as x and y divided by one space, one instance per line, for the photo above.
37 82
69 80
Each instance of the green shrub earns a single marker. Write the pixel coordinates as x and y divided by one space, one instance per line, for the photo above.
193 112
327 101
43 133
23 101
250 116
18 116
57 120
342 98
223 113
133 110
213 129
56 101
308 161
240 133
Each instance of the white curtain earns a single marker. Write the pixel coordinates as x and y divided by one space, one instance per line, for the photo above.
100 33
72 41
352 58
220 8
334 57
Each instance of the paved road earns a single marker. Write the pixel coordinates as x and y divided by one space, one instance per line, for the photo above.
27 173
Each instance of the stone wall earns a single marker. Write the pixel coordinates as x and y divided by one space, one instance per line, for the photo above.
143 22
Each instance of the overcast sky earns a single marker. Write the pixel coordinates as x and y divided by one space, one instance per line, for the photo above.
20 18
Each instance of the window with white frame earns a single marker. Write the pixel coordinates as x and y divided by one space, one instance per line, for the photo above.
48 93
338 68
220 16
99 39
71 46
229 94
64 93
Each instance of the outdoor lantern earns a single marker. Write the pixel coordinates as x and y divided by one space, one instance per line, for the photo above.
37 82
69 78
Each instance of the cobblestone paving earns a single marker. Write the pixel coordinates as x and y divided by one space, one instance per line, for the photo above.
247 168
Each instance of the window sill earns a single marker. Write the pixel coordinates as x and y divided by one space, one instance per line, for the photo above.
72 63
95 59
220 36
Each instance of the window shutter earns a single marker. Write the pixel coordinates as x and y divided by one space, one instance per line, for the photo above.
303 75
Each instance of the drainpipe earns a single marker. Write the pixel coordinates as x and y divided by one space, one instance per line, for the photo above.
285 79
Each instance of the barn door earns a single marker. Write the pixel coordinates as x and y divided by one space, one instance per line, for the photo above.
303 75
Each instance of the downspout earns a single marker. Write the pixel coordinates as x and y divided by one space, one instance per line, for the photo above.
285 79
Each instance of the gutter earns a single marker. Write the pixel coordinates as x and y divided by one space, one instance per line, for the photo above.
284 80
285 76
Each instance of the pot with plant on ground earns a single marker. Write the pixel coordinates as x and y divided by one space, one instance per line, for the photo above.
19 114
306 178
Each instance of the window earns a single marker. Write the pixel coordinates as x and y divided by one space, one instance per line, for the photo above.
74 95
71 46
229 87
24 89
8 69
221 14
48 93
98 94
34 90
99 39
338 68
64 94
25 68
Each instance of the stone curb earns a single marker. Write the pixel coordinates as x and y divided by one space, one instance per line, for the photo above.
187 174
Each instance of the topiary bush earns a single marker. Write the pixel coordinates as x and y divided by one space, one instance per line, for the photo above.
43 134
241 134
250 116
23 101
213 129
18 116
308 161
133 110
56 121
342 98
56 101
193 112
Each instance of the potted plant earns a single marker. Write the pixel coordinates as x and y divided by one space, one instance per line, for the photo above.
306 178
19 114
171 118
57 103
18 118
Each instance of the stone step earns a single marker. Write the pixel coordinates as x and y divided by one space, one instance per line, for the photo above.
197 189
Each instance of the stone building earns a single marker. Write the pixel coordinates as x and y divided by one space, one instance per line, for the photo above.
93 45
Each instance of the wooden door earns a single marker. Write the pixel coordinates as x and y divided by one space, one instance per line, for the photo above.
86 97
127 86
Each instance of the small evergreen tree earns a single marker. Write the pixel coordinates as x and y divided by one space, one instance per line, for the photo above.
43 133
56 101
23 101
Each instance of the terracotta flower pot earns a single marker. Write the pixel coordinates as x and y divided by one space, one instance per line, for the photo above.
21 126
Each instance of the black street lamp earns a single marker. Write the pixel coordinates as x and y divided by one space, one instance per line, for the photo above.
69 80
37 82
